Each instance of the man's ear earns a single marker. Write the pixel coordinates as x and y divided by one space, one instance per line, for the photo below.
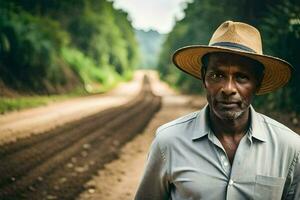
204 64
259 81
203 83
203 72
257 87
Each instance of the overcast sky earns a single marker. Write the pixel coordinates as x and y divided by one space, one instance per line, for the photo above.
159 15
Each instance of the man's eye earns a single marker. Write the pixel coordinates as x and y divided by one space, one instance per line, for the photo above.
216 76
242 77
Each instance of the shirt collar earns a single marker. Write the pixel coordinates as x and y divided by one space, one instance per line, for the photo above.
201 129
256 128
201 125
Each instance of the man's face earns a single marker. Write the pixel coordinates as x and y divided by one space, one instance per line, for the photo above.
230 83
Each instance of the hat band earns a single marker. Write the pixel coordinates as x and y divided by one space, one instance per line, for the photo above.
233 46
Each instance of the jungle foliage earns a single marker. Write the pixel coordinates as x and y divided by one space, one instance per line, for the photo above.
278 22
57 46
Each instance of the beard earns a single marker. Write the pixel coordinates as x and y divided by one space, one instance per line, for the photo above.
228 111
230 114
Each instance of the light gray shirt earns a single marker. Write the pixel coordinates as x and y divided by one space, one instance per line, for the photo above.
187 161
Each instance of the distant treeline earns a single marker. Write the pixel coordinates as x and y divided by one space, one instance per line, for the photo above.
57 46
278 22
150 43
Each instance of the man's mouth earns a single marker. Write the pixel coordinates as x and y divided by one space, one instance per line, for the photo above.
228 104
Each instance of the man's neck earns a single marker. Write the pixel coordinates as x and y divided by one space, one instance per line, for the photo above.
230 132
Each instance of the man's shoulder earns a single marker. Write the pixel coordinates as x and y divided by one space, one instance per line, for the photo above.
270 122
177 123
176 127
285 135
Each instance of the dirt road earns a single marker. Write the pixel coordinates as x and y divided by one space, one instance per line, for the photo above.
22 124
46 165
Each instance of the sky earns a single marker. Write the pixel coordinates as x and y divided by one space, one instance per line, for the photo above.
159 15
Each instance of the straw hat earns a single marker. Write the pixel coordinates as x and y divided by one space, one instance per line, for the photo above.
238 38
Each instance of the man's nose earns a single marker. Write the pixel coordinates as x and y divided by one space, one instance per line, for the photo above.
229 87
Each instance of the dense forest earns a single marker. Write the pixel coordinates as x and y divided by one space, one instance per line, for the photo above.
49 47
278 22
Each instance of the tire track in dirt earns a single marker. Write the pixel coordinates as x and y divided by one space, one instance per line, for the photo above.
56 164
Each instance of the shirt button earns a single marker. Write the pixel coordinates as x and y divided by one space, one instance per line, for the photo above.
225 164
231 182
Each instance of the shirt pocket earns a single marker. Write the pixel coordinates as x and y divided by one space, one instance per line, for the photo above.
267 187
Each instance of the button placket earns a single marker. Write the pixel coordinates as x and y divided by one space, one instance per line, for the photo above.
230 189
221 154
239 159
225 164
224 161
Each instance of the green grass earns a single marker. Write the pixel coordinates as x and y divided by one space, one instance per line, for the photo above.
20 103
11 104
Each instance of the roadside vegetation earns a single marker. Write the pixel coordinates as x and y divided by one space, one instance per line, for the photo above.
13 104
58 47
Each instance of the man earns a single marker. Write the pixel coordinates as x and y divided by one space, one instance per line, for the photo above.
226 150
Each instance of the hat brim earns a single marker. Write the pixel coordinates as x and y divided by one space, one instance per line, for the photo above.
277 72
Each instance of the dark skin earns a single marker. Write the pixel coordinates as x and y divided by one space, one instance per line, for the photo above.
231 83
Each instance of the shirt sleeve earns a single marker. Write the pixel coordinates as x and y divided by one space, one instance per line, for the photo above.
154 184
294 190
